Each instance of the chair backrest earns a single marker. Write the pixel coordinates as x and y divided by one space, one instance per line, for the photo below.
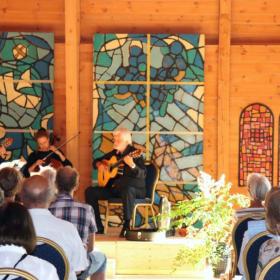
50 251
17 272
272 270
237 235
251 254
152 178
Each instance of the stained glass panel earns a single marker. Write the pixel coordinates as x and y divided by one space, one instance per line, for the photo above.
177 57
26 87
256 142
120 57
177 108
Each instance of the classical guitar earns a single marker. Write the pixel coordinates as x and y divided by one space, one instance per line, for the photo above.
104 175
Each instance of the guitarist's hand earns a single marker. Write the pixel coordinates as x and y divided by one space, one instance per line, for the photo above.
102 165
129 161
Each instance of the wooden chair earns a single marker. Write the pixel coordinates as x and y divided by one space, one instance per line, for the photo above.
22 274
50 251
272 270
237 236
251 254
151 183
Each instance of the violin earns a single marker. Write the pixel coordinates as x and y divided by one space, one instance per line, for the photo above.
54 163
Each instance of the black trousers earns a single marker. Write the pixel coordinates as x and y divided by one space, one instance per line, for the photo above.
127 193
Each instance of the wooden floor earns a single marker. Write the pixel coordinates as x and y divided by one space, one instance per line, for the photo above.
132 260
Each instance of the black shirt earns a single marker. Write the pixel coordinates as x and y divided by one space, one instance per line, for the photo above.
34 156
130 176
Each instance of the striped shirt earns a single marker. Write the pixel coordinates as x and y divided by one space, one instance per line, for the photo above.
81 215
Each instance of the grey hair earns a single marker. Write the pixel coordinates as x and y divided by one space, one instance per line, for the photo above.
258 186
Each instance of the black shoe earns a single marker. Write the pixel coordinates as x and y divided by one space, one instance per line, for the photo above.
123 232
100 231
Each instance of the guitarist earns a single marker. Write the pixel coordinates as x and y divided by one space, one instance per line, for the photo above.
36 158
128 185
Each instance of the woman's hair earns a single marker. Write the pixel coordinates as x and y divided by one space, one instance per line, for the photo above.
258 186
16 226
10 181
272 210
42 132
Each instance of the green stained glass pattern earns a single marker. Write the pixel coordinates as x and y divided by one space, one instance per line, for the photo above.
27 56
177 108
26 87
119 106
177 57
23 144
179 157
25 105
120 57
153 85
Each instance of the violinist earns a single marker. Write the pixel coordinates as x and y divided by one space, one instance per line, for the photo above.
46 154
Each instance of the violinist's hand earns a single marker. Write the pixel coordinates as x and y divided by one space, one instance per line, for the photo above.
39 162
129 161
56 151
53 148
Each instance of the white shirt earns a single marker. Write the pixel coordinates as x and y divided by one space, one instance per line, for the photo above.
254 227
65 235
10 255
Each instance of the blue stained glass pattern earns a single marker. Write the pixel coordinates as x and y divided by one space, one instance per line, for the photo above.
120 57
26 87
177 57
177 108
119 106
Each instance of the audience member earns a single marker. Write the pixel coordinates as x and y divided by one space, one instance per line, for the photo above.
258 186
81 215
10 182
18 240
36 195
270 249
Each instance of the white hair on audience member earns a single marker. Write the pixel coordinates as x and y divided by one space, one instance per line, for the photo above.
48 172
258 186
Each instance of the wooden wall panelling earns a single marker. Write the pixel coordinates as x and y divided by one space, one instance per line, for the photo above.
72 44
224 87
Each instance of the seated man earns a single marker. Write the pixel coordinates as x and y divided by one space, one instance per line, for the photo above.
10 182
129 183
258 186
81 215
36 195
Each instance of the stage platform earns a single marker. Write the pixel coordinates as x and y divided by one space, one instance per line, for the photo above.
146 260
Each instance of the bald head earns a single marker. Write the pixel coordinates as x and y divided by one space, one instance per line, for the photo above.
67 178
36 192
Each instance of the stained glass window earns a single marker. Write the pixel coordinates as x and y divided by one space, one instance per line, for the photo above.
153 85
256 142
26 88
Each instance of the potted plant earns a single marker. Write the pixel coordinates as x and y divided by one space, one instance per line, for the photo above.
207 217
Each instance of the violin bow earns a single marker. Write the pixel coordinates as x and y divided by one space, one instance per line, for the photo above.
65 142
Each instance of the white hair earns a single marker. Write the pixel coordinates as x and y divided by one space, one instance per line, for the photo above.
125 134
258 186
